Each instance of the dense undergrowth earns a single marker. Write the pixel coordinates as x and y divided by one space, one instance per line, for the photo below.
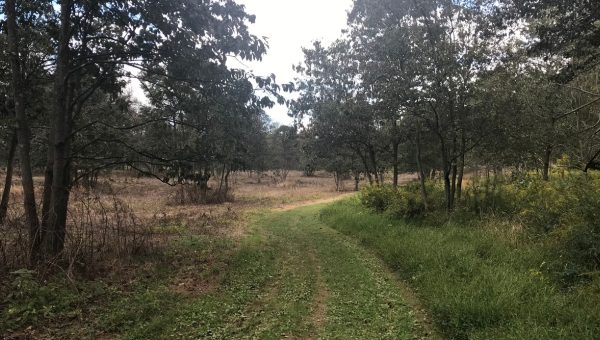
563 214
518 258
126 300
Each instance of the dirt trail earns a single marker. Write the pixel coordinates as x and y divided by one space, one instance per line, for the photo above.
319 313
426 328
296 205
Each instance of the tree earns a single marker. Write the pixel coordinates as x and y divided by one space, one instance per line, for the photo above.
195 131
566 28
432 54
567 32
284 150
89 46
23 130
339 108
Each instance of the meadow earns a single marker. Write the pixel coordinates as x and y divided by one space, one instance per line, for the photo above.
132 243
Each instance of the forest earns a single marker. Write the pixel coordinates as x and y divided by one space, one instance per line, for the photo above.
470 130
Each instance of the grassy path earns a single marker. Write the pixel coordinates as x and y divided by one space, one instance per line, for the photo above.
295 278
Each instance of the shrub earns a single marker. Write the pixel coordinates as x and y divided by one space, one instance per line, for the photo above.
407 202
488 196
402 202
563 213
29 301
377 198
475 284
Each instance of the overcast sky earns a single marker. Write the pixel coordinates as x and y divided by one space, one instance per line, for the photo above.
290 25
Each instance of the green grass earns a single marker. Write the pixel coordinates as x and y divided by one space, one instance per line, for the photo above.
290 277
475 284
275 283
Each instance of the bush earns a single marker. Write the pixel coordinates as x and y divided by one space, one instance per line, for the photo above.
491 196
402 202
377 198
407 203
563 213
30 302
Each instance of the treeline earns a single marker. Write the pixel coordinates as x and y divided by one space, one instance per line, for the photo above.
67 113
445 87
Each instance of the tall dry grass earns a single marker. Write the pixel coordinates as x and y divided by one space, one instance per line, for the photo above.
125 215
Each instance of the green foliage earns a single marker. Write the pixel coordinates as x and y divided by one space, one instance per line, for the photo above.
283 148
564 212
309 170
491 196
402 202
406 204
377 198
30 301
476 284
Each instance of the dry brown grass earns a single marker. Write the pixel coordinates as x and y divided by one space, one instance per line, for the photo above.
125 212
150 199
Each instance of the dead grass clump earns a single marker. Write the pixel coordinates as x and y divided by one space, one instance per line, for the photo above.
124 215
103 227
193 194
279 175
14 238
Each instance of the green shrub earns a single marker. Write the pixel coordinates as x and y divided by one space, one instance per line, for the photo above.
566 211
29 302
377 198
403 202
407 202
563 212
491 196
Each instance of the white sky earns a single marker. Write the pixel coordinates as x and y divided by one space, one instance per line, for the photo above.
290 25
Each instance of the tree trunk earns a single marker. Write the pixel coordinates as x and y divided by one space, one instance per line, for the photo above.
23 131
461 174
222 181
373 160
47 194
396 172
203 185
591 162
547 156
57 217
453 180
227 180
337 179
366 165
448 191
447 171
8 180
420 170
454 171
